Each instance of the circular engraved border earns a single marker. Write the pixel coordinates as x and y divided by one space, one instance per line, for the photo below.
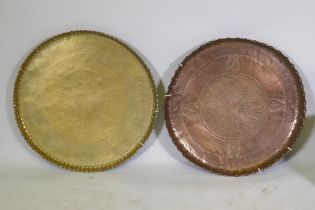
27 136
253 152
295 131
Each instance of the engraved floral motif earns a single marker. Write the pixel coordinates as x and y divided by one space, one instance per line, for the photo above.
232 64
276 104
233 149
190 108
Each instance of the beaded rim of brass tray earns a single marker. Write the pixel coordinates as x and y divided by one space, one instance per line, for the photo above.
295 134
50 158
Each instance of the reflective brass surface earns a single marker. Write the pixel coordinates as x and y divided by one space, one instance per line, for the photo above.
85 101
235 106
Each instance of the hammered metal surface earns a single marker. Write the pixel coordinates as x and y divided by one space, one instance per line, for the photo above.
235 106
85 101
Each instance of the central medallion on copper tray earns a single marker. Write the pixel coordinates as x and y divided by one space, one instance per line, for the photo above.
240 110
227 106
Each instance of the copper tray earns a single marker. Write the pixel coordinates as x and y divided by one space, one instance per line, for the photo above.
85 101
235 106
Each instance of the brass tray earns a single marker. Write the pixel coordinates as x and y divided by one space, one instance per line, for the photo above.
235 106
85 101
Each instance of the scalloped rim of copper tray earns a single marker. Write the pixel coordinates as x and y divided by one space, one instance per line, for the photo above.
296 131
52 159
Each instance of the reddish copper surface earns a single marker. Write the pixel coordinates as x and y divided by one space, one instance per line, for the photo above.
235 106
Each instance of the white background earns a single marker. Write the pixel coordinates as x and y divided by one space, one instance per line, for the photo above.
162 32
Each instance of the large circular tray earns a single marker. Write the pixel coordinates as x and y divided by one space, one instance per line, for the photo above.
85 101
235 106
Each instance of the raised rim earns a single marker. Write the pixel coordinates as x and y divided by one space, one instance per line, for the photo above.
281 153
51 158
